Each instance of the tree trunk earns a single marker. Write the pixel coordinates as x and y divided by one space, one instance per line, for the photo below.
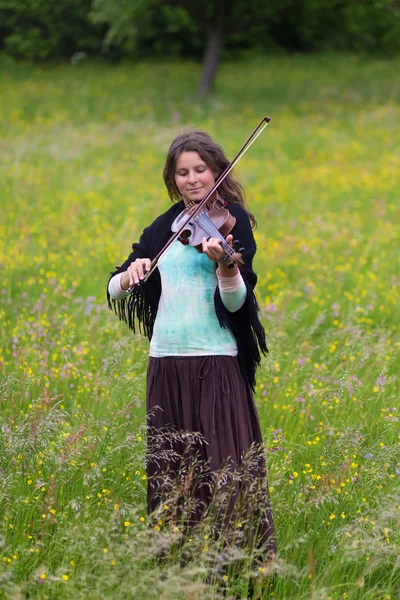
211 58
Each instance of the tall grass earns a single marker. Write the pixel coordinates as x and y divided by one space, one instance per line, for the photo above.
82 153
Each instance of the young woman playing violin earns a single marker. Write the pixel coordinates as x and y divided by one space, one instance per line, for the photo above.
201 317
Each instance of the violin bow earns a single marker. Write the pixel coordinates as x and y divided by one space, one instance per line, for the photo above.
252 138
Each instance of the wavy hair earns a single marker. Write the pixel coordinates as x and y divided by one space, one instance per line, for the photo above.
231 188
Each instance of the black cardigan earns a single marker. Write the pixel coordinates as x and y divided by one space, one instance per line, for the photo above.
142 303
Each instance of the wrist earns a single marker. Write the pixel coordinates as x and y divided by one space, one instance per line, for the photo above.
124 282
224 271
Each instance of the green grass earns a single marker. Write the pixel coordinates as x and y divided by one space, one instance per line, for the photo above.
82 151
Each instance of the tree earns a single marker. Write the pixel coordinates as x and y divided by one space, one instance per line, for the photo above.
204 25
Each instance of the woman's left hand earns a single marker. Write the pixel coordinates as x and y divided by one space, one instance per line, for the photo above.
213 250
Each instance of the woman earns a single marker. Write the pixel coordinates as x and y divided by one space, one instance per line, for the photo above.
205 337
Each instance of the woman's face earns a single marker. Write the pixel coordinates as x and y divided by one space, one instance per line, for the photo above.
193 177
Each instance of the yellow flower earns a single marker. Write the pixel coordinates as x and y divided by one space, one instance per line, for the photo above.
333 516
65 577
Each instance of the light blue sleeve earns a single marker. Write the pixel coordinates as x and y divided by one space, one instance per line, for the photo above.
234 300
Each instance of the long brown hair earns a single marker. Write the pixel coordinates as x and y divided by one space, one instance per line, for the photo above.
231 188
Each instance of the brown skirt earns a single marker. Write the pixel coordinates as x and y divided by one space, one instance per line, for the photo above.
203 428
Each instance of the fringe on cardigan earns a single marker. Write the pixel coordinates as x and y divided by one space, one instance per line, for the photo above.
139 309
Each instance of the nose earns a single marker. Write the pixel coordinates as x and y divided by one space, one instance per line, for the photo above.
192 177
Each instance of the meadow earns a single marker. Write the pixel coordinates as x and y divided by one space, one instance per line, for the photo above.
82 151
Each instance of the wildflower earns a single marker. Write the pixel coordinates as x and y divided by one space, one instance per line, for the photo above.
105 550
333 516
127 523
65 577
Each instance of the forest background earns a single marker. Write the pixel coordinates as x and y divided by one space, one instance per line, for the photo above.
91 96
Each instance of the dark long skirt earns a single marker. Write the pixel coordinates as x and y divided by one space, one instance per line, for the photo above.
204 442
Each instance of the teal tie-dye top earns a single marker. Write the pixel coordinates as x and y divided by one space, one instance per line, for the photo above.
186 323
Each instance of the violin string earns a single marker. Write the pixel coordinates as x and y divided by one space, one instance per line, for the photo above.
212 231
209 227
205 223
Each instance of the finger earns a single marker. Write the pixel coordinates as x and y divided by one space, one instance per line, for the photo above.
229 240
139 267
147 265
132 275
214 242
217 249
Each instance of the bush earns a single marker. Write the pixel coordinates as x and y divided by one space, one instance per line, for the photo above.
43 29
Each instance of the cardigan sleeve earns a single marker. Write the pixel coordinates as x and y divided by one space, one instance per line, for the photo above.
139 306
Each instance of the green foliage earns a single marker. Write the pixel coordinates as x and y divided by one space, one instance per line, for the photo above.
146 27
357 25
43 29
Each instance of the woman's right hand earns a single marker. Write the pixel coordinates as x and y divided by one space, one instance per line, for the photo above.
135 272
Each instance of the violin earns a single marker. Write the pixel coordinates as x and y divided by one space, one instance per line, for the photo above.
209 218
214 220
